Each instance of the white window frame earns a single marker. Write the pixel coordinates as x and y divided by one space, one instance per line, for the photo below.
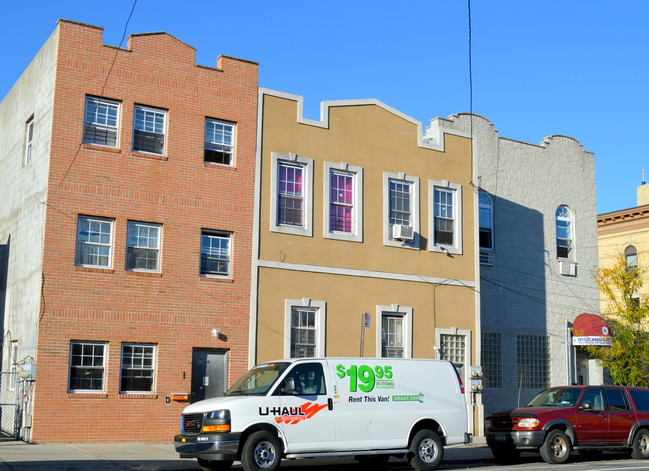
464 371
220 235
93 244
154 353
320 308
104 355
571 225
218 140
150 127
414 210
394 310
29 140
101 121
157 249
306 229
356 234
456 247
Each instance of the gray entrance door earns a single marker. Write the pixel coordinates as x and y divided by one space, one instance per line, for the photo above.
209 373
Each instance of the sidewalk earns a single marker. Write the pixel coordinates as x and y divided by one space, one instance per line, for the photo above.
21 456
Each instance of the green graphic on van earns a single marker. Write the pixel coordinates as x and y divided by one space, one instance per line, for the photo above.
408 398
365 377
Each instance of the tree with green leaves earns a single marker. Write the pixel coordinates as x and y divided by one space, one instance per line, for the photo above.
627 314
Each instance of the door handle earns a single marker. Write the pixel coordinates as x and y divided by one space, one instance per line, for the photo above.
330 404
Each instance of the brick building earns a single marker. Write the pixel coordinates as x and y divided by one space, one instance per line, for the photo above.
127 176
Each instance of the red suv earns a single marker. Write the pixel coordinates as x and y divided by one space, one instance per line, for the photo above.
585 418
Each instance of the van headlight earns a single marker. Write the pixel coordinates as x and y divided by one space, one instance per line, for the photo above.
216 421
221 414
528 423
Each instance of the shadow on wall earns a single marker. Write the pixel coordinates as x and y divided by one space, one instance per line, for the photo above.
4 273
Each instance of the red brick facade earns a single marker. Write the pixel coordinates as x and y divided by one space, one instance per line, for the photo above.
175 309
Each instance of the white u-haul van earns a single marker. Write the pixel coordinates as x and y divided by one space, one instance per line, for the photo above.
369 408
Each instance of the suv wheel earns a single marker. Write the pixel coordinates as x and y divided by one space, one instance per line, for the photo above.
556 448
640 449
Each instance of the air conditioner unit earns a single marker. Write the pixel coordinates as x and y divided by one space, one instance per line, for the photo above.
568 268
402 232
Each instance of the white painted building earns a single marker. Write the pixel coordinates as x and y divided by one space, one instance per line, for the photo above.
538 252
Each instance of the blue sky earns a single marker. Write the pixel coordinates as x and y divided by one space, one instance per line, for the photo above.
547 67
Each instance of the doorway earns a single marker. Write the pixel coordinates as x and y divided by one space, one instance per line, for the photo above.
209 373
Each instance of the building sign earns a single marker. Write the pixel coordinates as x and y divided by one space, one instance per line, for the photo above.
591 329
592 340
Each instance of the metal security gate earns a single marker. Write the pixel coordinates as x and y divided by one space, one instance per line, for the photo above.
10 416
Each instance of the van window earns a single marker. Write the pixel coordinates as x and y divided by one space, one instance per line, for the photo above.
617 400
640 399
257 381
309 380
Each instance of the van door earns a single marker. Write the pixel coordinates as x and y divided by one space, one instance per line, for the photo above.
305 416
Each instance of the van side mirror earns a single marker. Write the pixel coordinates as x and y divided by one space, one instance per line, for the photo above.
585 406
289 386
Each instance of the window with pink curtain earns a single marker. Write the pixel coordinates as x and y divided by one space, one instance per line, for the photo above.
290 196
341 201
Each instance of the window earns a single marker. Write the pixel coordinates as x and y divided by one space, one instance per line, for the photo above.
304 328
87 366
564 233
215 253
143 246
149 130
533 361
101 121
486 221
617 400
401 206
492 359
94 242
219 141
446 220
453 349
308 379
343 213
631 257
291 194
29 139
394 331
138 368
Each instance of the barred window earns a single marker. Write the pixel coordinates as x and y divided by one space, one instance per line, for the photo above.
219 141
533 361
138 368
101 121
492 360
87 366
149 129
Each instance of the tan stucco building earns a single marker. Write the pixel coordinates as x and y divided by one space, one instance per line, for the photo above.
361 219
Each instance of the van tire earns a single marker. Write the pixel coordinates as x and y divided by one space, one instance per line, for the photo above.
209 465
640 448
556 448
426 450
262 451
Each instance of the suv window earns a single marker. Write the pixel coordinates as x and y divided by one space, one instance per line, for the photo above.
640 399
594 397
617 400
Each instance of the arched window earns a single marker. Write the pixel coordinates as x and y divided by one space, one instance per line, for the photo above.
631 257
564 233
486 218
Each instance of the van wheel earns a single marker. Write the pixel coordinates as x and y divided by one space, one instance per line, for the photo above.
640 449
261 452
208 465
372 461
556 448
426 450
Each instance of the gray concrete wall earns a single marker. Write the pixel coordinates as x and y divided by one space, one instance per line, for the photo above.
23 189
523 292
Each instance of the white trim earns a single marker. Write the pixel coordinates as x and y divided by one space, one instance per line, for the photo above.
414 210
394 309
307 210
357 211
364 273
456 247
321 323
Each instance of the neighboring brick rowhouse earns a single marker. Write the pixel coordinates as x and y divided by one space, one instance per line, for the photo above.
176 308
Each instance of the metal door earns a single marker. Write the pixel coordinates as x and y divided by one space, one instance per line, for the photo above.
209 373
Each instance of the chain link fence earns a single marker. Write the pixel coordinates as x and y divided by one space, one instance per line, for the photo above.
10 386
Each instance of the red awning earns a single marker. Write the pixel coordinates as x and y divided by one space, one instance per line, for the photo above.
590 325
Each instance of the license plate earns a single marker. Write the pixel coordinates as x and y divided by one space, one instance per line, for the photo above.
500 438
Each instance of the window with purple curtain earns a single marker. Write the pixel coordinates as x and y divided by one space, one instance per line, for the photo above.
341 201
290 196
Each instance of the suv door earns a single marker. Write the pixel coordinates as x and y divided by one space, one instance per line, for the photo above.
591 417
620 416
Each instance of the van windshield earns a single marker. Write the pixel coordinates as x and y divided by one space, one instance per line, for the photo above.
258 380
559 397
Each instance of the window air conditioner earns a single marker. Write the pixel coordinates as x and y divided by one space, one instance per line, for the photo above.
402 232
568 268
